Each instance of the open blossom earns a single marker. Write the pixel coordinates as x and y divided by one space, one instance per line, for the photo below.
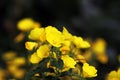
89 71
68 61
37 34
53 36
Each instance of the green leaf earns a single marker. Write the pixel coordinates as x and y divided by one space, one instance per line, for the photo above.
57 63
60 64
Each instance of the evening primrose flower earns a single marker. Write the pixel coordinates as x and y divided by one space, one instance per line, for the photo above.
53 36
114 75
37 34
68 61
89 71
34 58
80 43
43 51
25 24
30 45
99 46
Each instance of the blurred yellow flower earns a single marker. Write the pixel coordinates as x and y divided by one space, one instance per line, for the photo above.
19 74
2 74
99 46
19 37
25 24
80 43
43 51
68 61
9 55
114 75
89 71
53 36
16 72
103 58
37 34
34 58
19 61
30 45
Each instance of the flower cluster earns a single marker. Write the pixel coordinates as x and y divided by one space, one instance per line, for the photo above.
56 54
14 64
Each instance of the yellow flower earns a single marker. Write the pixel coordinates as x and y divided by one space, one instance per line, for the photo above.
34 58
30 45
114 75
80 43
2 74
19 61
53 36
16 72
37 34
69 62
103 58
19 74
19 37
25 24
99 46
9 55
89 71
43 51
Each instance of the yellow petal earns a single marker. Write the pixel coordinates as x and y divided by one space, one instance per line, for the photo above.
34 58
43 51
30 45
